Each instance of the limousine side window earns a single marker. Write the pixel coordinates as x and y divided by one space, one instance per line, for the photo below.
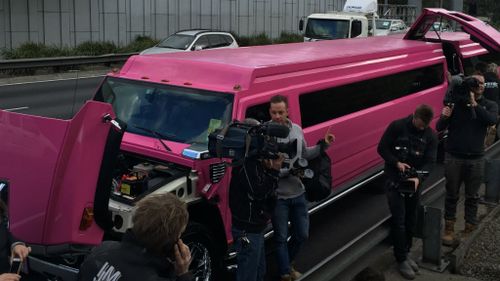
320 106
469 63
259 112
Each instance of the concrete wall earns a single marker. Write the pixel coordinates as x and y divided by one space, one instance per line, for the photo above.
70 22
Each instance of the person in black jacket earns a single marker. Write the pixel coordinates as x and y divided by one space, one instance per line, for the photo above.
467 123
150 250
408 146
10 247
252 199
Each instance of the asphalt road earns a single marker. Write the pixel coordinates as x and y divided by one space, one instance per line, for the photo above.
53 98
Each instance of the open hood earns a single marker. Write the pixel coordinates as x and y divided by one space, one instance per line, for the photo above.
479 31
52 169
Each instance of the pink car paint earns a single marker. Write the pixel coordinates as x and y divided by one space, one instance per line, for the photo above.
53 164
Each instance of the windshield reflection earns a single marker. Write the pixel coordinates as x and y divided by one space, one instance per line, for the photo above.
327 29
177 41
177 114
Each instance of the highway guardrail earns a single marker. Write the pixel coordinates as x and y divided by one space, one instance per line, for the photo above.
63 61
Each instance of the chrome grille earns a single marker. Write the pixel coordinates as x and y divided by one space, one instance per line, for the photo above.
217 171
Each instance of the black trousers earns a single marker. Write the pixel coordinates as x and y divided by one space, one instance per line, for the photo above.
467 171
403 209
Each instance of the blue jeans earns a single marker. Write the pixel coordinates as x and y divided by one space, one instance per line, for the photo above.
295 210
251 257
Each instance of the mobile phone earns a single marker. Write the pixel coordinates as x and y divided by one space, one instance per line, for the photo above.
16 265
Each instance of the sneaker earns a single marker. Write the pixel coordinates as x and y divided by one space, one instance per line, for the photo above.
294 273
406 270
413 264
286 277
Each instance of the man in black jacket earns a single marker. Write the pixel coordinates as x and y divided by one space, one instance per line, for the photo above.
251 199
151 250
467 123
9 247
408 146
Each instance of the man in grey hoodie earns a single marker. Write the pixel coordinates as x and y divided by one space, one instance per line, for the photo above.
291 204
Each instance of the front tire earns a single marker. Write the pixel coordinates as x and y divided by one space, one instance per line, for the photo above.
206 260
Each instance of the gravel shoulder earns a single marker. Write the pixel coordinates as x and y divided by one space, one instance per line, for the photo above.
481 261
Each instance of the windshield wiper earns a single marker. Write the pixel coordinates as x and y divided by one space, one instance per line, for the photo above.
159 136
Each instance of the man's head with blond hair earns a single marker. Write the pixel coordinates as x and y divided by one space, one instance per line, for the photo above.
159 220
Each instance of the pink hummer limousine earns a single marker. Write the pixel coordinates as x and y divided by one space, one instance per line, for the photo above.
73 183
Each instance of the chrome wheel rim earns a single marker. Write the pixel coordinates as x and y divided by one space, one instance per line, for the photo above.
201 263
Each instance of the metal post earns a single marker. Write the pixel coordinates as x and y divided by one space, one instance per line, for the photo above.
492 181
418 4
431 248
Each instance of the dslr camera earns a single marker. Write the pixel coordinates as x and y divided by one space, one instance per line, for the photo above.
461 93
243 140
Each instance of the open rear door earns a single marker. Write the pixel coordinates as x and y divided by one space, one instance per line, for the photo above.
479 31
51 169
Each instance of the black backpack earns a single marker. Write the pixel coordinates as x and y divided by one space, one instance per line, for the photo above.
319 186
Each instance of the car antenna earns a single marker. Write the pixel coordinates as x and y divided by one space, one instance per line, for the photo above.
74 91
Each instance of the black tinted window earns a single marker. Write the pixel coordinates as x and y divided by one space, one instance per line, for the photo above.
259 112
228 39
470 63
216 41
327 104
202 42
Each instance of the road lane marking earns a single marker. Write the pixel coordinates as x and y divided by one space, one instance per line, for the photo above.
17 108
54 80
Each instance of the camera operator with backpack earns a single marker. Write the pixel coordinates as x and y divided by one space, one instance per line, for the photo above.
408 147
252 199
467 120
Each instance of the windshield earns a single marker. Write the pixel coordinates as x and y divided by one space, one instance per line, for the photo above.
176 41
327 29
176 113
383 24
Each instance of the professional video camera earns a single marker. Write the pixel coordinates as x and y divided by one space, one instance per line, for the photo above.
461 93
242 140
405 185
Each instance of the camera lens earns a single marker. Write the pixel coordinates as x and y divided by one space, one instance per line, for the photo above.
302 163
308 173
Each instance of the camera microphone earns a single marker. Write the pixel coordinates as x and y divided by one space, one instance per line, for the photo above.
277 130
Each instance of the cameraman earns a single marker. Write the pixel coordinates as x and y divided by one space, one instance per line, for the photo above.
291 204
467 121
251 199
406 146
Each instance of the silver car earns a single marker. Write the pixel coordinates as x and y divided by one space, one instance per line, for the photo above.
389 26
193 40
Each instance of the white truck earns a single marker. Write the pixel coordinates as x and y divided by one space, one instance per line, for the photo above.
357 19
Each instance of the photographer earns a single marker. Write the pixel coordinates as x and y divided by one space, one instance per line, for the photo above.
251 199
467 120
150 250
407 146
291 204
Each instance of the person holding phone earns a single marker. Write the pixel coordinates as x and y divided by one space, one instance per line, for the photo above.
10 249
151 250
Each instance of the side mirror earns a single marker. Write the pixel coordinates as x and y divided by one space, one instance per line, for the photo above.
301 24
356 28
198 47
